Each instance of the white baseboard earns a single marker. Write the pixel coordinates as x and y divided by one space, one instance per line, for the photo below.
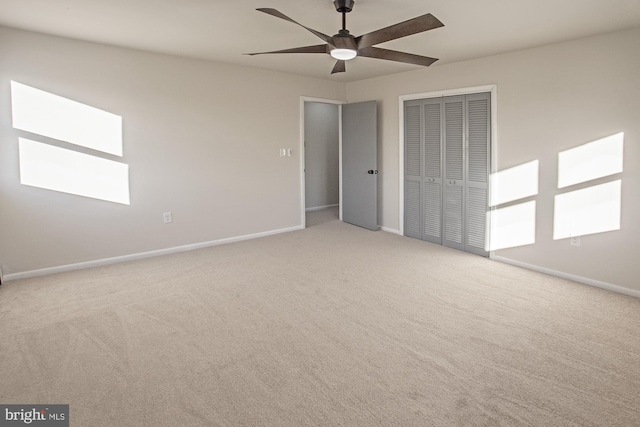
319 208
390 230
579 279
142 255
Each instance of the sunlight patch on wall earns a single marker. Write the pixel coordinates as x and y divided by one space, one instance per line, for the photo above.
590 161
54 168
513 226
591 210
514 183
67 171
53 116
595 209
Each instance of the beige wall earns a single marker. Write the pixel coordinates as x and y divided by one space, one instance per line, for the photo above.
201 140
549 99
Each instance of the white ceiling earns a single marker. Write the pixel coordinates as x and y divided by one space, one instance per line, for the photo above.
222 30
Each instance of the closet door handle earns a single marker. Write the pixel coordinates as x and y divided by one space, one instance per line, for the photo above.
452 182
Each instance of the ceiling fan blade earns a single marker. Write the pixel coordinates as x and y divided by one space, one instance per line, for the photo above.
281 15
403 29
320 48
339 67
394 55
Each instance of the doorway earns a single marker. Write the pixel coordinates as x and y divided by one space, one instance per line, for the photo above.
357 155
320 135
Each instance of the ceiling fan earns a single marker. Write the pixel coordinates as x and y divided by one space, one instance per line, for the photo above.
344 46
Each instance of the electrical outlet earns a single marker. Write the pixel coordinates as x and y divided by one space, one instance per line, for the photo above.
575 241
283 152
167 218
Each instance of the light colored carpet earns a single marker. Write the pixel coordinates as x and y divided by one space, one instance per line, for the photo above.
329 326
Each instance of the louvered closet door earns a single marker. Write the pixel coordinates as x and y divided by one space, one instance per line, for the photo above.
412 169
478 110
432 176
454 173
446 170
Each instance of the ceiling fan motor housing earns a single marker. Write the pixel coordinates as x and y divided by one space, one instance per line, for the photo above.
344 6
344 40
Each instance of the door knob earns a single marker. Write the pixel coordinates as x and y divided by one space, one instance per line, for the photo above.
371 172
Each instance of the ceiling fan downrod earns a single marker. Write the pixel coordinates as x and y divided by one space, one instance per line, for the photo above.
344 7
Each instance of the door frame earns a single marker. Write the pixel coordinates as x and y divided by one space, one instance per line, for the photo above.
339 103
493 89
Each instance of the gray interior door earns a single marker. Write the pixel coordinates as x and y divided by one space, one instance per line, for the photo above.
360 164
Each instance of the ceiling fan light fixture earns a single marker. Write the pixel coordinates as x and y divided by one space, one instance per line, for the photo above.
343 54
